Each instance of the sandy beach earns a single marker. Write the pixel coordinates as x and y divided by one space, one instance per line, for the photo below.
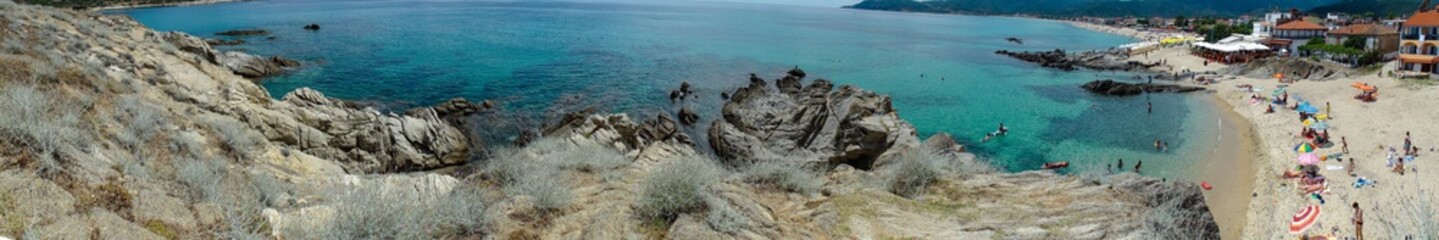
1398 206
173 4
1139 35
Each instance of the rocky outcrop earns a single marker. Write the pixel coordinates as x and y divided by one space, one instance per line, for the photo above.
688 117
312 27
243 32
243 64
1096 60
814 123
364 140
224 42
1113 88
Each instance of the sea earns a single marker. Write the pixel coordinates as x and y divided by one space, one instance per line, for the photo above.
625 56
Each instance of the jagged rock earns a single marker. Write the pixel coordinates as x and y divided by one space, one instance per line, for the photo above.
363 140
812 124
312 27
1113 88
243 64
1097 60
688 117
243 32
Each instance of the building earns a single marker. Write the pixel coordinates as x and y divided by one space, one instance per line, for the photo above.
1419 40
1294 33
1265 26
1376 37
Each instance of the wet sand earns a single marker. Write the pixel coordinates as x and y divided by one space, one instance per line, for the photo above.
1229 167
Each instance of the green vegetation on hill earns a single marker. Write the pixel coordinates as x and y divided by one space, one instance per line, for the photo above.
1375 8
96 3
1061 8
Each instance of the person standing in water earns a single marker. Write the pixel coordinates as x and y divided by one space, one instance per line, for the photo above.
1151 107
1120 166
1136 166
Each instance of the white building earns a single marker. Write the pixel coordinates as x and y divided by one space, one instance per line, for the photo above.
1265 27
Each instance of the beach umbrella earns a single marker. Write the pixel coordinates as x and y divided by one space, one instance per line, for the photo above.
1304 147
1305 107
1308 121
1308 159
1319 126
1306 217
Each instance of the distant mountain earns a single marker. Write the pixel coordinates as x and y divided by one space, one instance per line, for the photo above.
96 3
1379 8
1141 8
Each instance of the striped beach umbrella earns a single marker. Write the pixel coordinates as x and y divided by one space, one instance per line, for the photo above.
1304 219
1304 147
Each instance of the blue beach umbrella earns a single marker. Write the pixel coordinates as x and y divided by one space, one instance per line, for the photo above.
1305 107
1320 126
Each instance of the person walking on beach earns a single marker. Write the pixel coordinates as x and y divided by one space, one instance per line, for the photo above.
1358 221
1343 145
1326 108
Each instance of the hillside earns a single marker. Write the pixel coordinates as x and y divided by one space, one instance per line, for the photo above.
1377 8
111 130
1064 8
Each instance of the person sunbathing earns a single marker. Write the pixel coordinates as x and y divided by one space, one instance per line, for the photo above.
1292 174
1314 188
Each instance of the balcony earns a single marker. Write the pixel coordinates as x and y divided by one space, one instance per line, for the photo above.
1416 37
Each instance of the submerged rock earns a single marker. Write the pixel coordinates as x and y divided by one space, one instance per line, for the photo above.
312 27
243 32
1113 88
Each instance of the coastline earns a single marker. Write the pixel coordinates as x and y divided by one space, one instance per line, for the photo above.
172 4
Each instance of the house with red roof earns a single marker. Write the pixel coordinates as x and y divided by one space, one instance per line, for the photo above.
1376 37
1419 40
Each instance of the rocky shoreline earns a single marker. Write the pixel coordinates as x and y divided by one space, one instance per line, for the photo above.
151 135
1110 60
1113 88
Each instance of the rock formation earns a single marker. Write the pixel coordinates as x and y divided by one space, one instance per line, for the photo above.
145 135
813 123
243 64
1096 60
1113 88
312 27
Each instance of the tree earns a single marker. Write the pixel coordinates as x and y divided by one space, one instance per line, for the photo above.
1355 42
1181 21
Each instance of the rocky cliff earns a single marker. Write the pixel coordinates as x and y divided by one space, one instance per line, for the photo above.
114 131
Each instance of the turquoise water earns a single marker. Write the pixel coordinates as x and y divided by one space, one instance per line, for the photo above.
626 56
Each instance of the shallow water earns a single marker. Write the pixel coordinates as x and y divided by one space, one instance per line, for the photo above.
626 56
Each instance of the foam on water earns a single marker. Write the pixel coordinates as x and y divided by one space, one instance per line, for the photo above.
626 56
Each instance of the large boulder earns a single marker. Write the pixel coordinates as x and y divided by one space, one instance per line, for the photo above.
813 123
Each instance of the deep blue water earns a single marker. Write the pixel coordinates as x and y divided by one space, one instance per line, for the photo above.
626 56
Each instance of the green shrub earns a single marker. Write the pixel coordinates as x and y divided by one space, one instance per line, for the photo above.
677 188
787 175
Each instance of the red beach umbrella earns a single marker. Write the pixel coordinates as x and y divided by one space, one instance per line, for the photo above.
1304 219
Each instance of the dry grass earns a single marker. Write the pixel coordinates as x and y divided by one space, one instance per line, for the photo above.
787 175
677 188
